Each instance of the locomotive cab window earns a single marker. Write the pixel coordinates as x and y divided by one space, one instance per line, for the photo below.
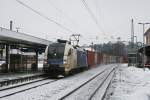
56 50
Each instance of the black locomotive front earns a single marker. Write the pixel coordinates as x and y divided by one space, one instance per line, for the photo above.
53 63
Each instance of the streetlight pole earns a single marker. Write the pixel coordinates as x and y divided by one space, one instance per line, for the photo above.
136 48
143 24
136 39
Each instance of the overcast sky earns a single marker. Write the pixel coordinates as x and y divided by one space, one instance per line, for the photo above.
112 18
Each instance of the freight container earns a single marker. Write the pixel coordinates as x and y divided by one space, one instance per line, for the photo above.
90 58
81 58
98 58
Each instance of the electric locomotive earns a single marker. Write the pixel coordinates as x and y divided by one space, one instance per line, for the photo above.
62 58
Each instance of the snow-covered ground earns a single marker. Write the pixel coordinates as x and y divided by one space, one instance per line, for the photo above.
59 88
130 83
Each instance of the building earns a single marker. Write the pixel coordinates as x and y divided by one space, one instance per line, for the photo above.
145 50
13 47
147 35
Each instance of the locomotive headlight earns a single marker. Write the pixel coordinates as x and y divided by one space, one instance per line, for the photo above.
65 62
45 61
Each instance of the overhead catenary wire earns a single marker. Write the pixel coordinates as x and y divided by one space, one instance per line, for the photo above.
54 21
92 15
45 17
90 12
62 12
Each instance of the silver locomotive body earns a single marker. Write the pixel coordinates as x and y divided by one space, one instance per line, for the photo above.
62 58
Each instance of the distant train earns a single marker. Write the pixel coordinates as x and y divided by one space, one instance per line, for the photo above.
63 58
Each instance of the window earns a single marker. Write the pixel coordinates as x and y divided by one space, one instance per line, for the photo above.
56 50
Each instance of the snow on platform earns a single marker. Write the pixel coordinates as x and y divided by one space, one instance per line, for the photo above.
130 83
11 76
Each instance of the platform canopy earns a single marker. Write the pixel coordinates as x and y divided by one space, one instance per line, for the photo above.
146 49
16 39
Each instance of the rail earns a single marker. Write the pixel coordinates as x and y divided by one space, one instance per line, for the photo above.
84 84
9 91
19 79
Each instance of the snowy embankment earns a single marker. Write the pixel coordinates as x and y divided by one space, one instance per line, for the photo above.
130 83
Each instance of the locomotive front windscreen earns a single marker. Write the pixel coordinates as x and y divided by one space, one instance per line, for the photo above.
56 51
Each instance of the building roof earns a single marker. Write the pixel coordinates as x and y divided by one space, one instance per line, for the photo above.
10 37
27 42
146 49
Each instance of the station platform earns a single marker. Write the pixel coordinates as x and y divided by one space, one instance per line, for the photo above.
15 78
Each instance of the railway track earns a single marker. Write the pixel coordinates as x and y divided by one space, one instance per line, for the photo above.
103 79
22 84
76 93
24 87
101 90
